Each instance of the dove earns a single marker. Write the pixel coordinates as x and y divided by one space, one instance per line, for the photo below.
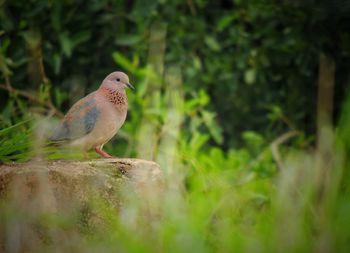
93 120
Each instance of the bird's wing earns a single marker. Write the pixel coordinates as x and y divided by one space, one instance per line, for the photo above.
79 120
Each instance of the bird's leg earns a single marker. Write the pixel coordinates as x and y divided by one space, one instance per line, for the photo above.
103 153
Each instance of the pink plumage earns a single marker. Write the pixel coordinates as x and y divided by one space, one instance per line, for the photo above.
96 118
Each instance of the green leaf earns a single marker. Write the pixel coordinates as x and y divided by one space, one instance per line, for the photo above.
275 113
123 62
80 37
32 38
250 76
213 127
5 131
224 22
212 43
57 60
66 44
203 97
128 40
198 140
253 139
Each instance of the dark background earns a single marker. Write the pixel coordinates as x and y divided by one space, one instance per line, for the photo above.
257 60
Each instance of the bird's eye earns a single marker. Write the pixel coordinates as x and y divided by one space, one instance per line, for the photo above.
118 79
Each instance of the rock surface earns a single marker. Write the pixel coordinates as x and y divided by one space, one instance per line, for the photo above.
53 184
31 193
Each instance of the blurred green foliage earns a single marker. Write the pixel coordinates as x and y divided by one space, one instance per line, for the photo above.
250 57
248 73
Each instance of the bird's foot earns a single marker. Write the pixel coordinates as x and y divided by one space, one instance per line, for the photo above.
103 153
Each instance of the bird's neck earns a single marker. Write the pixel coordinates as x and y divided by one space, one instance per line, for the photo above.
115 96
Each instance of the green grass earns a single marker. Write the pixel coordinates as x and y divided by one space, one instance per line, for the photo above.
213 201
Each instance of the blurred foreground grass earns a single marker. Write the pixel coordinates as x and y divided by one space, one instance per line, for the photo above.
212 202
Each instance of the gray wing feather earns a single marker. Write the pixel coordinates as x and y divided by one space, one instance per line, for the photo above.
79 121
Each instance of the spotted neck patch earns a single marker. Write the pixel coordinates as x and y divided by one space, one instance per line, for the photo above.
116 97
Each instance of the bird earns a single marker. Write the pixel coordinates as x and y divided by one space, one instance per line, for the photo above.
93 120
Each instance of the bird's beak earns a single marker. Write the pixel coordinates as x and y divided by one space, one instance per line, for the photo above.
130 86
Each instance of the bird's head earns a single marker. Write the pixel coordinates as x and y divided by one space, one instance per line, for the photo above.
117 80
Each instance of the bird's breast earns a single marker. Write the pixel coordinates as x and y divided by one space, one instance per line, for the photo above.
113 114
113 106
